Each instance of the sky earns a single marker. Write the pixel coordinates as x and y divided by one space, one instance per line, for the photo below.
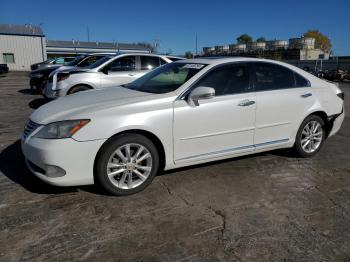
176 23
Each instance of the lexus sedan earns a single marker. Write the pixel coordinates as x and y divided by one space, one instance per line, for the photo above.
108 72
183 113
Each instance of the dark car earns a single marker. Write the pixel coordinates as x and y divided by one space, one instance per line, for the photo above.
39 77
52 62
4 69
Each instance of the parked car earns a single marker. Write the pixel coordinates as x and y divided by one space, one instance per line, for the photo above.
38 77
108 72
52 62
183 113
4 69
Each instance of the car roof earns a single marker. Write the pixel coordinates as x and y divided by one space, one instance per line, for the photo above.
222 60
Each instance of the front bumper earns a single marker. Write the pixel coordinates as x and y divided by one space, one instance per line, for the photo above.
75 158
37 83
49 93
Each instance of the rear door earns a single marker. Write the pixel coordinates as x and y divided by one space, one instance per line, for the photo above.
282 98
119 72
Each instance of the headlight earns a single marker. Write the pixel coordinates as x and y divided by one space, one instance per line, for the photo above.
62 129
62 76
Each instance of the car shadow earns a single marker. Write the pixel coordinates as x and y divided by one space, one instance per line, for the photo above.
38 102
12 165
28 91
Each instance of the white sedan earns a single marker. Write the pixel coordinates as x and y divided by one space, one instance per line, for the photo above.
183 113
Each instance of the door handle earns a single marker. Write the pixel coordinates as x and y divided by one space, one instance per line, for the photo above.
306 95
131 74
246 103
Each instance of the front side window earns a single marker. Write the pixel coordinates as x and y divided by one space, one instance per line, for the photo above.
166 79
226 80
149 62
268 76
8 58
125 63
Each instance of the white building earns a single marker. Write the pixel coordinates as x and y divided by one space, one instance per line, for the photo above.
21 46
24 45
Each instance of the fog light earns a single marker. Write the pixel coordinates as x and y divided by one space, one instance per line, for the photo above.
54 171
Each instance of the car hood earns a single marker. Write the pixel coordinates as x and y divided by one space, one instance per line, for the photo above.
87 104
44 70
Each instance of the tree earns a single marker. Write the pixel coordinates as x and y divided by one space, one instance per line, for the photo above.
189 54
261 39
321 41
244 39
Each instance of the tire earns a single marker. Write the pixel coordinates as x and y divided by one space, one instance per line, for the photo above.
77 89
109 161
308 144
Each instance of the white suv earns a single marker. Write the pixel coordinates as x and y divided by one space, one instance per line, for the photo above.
110 71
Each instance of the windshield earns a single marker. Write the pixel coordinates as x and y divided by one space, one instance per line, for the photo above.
166 78
99 62
75 61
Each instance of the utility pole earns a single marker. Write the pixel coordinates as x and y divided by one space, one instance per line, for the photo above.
88 33
196 45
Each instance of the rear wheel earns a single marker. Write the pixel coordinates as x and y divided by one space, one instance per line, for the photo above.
310 136
127 164
77 89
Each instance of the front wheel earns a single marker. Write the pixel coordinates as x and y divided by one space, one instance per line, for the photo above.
127 164
310 136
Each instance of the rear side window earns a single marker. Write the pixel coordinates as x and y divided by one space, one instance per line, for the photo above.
268 76
226 80
301 81
149 62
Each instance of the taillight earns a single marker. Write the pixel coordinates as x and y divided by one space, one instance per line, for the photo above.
341 95
61 77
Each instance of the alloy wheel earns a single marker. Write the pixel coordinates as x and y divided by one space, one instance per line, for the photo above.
311 136
129 166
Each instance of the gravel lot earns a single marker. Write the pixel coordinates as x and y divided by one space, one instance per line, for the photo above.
265 207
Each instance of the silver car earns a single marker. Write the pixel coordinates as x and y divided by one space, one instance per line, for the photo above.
109 71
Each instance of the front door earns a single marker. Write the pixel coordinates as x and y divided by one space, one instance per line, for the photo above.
220 126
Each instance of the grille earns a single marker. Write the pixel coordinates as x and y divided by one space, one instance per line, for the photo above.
29 128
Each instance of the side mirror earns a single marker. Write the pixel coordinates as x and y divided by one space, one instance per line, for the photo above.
201 92
105 70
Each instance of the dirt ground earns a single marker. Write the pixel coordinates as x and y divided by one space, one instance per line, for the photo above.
265 207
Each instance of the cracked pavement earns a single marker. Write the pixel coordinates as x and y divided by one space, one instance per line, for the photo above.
265 207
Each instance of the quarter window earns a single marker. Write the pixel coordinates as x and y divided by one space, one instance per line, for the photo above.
126 63
232 79
149 62
8 58
300 81
271 76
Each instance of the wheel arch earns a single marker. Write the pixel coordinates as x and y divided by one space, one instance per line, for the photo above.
82 84
155 139
328 123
